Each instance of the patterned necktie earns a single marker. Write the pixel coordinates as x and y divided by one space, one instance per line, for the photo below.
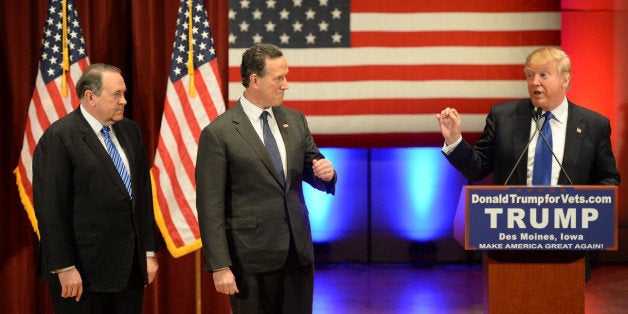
117 160
542 171
271 147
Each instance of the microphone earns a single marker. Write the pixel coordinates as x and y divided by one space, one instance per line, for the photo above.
535 115
538 128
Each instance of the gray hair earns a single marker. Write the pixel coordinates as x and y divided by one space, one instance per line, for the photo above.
91 79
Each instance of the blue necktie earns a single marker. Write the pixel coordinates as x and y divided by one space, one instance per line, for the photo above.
271 147
542 172
117 160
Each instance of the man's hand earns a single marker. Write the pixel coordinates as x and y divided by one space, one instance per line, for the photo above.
71 284
151 268
450 125
323 169
224 281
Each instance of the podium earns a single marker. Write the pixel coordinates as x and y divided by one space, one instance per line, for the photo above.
534 241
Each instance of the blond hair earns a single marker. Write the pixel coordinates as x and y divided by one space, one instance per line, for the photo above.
546 55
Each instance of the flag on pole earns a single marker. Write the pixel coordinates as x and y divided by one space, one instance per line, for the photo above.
371 71
193 100
63 59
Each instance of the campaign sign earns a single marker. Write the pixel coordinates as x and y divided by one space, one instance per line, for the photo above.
541 218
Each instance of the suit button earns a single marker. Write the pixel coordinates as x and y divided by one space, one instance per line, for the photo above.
132 236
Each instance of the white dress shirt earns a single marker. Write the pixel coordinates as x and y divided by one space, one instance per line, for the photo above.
254 112
559 132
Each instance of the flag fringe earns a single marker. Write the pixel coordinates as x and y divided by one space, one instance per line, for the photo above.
159 220
26 202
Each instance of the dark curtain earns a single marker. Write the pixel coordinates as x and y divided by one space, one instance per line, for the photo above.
136 36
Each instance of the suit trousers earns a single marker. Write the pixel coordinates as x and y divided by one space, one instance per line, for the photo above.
127 301
287 290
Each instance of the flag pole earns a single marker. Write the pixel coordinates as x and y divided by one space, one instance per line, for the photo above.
197 258
191 50
64 48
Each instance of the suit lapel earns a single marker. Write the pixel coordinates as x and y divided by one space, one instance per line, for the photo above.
520 137
573 139
100 152
245 129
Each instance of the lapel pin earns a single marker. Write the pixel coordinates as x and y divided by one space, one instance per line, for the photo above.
285 125
578 130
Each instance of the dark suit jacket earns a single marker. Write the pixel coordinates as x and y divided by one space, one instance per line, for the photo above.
245 214
86 217
588 157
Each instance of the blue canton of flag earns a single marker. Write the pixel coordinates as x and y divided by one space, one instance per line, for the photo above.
202 40
289 23
51 48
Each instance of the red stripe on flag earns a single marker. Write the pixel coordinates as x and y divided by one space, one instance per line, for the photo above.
455 38
57 100
188 113
208 104
398 72
392 106
454 6
29 137
42 118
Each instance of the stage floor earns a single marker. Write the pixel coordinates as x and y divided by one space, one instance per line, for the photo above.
441 289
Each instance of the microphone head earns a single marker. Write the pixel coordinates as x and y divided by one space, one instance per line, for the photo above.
536 113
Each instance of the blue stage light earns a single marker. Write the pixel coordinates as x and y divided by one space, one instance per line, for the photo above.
332 216
415 192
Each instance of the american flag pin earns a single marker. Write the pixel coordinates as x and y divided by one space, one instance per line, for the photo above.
285 125
578 130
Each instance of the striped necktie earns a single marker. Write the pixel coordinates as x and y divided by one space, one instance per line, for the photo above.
117 160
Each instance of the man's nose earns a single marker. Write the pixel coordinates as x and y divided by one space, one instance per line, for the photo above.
537 81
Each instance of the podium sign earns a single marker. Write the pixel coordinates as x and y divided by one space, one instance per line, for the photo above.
537 218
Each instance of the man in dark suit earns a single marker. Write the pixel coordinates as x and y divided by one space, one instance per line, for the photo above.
250 166
94 205
581 137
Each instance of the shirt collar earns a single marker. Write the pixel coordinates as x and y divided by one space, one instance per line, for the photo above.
560 112
93 122
252 111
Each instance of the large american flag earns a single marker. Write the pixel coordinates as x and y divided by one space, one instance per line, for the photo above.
374 73
54 95
187 110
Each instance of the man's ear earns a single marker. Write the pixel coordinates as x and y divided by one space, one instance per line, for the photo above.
88 96
254 80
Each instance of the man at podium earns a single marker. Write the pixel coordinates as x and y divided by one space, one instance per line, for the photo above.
543 140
